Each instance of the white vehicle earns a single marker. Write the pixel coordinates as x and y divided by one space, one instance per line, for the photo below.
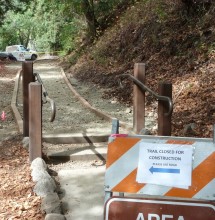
21 53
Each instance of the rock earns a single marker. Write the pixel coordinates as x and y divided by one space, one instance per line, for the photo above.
25 142
151 114
38 163
45 187
155 127
145 131
128 110
55 216
189 129
38 174
51 204
52 172
149 123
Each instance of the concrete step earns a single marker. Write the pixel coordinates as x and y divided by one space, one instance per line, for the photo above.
76 138
84 152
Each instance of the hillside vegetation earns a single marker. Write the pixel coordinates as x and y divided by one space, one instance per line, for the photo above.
177 46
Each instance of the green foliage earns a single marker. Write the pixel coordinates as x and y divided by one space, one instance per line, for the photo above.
16 28
15 5
58 26
40 26
68 36
49 25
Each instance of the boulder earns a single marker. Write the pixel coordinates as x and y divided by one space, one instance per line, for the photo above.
38 163
45 187
51 204
38 174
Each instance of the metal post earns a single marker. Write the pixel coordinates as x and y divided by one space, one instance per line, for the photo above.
164 121
115 130
139 99
115 126
35 120
27 77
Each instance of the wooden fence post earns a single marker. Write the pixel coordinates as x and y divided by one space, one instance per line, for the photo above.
27 77
35 120
164 122
139 99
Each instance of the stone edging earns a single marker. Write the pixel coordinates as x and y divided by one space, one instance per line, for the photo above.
46 188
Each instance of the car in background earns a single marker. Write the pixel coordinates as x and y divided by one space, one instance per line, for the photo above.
3 55
20 53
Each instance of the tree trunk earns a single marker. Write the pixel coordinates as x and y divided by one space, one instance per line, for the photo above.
27 39
88 9
21 38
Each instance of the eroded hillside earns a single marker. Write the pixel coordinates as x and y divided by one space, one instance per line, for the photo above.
176 47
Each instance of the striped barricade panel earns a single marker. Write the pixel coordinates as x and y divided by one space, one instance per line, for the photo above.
122 164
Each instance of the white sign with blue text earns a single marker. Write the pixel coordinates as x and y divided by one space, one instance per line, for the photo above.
165 164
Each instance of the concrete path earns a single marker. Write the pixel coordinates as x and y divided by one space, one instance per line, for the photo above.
81 178
83 193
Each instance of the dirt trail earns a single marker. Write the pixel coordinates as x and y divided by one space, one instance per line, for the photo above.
7 80
71 115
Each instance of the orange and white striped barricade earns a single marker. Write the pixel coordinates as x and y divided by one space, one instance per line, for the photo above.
123 163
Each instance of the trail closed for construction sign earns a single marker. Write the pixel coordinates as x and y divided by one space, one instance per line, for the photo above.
165 164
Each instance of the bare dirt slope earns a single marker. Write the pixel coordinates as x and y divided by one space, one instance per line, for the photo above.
175 45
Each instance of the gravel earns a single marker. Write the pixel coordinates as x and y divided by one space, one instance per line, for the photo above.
71 115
